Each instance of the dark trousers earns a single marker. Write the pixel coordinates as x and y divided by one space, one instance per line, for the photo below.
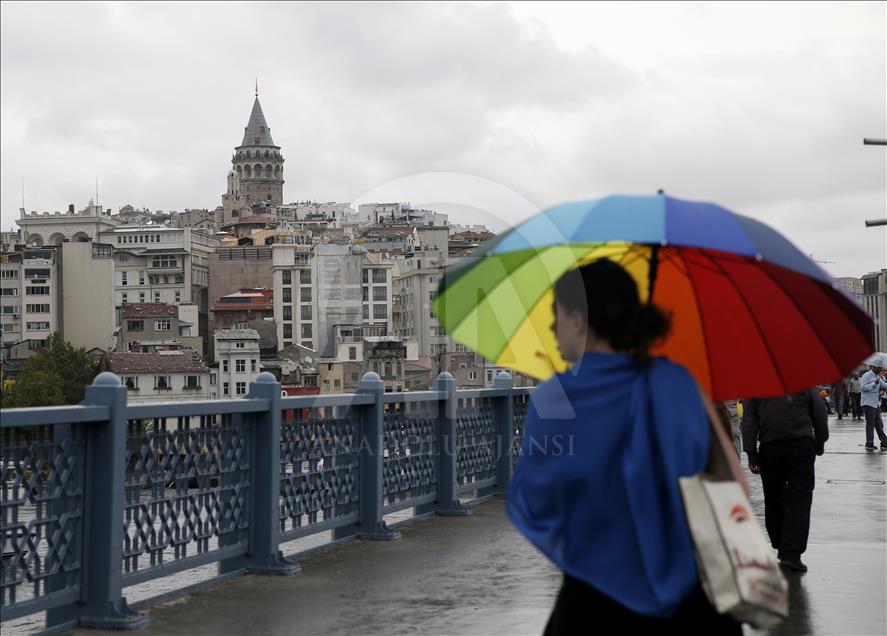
581 609
854 403
787 476
873 423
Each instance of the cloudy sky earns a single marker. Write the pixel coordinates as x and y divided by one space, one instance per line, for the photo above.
487 110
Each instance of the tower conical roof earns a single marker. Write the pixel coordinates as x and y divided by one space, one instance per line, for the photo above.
257 128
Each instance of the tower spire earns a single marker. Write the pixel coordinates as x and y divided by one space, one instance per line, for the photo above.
257 87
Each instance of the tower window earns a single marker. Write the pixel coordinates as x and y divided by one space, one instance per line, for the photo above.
257 140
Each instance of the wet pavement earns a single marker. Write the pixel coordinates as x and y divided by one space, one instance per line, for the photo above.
476 574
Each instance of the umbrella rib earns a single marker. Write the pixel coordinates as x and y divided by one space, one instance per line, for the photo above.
711 374
755 321
802 312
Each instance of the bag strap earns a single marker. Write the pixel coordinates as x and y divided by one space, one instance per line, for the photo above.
723 464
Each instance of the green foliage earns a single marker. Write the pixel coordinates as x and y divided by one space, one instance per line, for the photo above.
58 374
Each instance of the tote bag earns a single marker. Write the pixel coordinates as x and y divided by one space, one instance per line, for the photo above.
737 566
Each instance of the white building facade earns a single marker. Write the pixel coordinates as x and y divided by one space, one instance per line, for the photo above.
237 355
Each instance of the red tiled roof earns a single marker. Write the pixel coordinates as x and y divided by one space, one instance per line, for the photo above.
139 310
182 361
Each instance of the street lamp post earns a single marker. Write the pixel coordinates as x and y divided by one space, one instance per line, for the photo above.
868 141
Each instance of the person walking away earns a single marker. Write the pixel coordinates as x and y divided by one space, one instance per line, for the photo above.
855 405
782 437
870 386
608 512
840 393
729 411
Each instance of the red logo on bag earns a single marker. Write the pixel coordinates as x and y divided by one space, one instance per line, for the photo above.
739 513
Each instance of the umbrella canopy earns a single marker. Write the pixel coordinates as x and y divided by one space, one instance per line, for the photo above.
752 316
877 359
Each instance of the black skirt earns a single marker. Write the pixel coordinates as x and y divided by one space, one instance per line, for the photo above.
581 609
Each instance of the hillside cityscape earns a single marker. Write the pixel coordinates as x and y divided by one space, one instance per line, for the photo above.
195 304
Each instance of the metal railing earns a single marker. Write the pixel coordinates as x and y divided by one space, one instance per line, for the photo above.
104 495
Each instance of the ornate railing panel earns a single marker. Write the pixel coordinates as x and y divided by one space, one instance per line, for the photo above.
41 505
410 448
319 463
476 432
521 403
187 489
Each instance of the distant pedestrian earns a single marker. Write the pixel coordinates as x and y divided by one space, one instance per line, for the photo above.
730 412
782 437
840 393
870 386
824 396
855 397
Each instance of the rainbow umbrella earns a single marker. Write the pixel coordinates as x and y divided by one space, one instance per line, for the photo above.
752 316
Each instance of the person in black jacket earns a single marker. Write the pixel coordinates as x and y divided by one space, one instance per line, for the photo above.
782 437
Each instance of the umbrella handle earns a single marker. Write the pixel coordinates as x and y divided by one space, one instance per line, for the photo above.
723 464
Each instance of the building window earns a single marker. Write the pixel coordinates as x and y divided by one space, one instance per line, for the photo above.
287 295
380 312
178 297
131 382
123 279
305 312
162 325
212 379
239 366
352 353
287 312
287 277
9 274
366 312
305 276
225 390
306 331
365 276
162 383
141 297
305 294
192 381
326 385
224 366
354 377
252 365
135 325
337 385
34 309
380 293
10 291
380 276
156 297
366 294
164 262
34 291
240 345
124 297
141 278
240 388
287 331
37 326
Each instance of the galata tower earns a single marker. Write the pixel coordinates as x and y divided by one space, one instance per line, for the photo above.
255 182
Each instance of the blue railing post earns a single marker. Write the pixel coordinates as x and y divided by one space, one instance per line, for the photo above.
447 451
102 603
504 434
372 523
264 555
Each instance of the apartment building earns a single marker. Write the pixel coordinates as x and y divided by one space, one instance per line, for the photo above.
238 360
162 376
159 264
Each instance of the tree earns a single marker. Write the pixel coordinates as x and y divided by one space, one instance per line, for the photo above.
58 374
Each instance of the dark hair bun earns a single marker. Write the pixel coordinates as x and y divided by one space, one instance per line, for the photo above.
608 296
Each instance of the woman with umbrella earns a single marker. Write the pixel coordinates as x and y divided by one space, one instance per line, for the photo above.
593 293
